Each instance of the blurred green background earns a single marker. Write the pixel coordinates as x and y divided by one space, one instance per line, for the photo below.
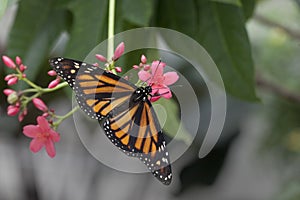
256 47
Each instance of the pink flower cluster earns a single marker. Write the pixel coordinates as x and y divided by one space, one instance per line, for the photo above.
12 79
155 77
42 134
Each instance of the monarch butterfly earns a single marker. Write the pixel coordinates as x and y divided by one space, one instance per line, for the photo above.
124 111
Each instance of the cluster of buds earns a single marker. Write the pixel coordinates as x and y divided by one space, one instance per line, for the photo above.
143 64
110 64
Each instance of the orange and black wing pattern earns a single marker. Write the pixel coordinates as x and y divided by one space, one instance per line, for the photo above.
129 119
97 91
137 133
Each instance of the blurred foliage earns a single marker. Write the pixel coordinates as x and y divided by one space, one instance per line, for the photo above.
212 23
84 24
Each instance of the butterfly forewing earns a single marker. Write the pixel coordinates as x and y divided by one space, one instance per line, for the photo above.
130 121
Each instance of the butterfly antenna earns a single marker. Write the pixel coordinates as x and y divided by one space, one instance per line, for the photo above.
155 70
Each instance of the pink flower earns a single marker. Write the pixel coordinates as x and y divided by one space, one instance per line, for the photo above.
8 62
119 51
159 81
42 136
12 110
54 83
39 104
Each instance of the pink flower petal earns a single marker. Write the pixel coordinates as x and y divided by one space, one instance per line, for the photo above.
55 137
31 131
36 145
157 68
50 148
119 51
154 98
166 93
144 76
8 62
170 78
43 124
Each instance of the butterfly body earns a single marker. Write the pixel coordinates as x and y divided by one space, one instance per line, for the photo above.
124 111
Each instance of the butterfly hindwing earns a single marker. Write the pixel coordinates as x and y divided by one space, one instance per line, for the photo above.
137 133
130 121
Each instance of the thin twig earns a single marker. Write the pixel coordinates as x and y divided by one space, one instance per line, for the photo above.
267 22
278 90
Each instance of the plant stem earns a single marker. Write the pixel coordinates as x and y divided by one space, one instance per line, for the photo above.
61 85
62 118
111 25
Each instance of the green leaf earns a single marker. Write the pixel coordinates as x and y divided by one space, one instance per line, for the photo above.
137 12
167 112
220 29
32 37
3 4
248 8
89 26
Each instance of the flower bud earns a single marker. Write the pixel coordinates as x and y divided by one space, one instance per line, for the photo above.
9 76
22 115
12 81
101 58
52 73
39 104
22 68
8 91
8 62
118 69
54 83
18 60
119 51
12 98
135 67
12 110
143 59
